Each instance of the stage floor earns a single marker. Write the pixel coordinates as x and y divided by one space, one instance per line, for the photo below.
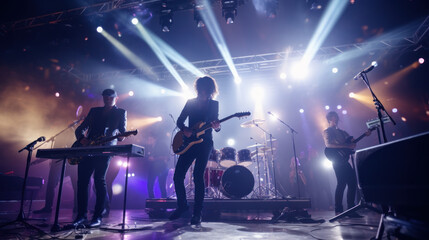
231 225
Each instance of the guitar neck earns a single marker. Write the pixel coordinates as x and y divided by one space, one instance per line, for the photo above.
362 136
208 125
108 139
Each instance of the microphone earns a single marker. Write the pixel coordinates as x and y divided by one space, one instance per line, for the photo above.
31 145
366 70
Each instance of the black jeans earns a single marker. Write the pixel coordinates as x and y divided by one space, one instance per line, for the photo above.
98 166
200 152
345 176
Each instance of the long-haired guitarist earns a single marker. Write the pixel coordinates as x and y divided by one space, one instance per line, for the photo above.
105 121
337 139
200 109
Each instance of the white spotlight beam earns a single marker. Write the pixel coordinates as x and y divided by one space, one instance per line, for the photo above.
161 56
327 22
215 32
175 56
134 59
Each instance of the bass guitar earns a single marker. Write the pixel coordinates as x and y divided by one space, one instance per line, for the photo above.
99 141
181 143
342 154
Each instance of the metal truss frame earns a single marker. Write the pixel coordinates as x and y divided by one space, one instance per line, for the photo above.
261 62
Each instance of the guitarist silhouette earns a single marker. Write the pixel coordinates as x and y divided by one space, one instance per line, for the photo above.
339 146
205 110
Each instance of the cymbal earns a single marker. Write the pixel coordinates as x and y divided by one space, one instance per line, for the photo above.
253 153
256 145
252 123
266 149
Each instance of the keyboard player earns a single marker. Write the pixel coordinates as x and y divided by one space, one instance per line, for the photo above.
108 121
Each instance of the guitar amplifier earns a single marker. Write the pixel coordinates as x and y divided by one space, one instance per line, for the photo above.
396 174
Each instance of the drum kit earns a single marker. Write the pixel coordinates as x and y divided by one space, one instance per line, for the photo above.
232 174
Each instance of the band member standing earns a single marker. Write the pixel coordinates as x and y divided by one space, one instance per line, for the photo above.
101 121
337 138
200 109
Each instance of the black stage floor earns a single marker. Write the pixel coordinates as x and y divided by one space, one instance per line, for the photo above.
229 224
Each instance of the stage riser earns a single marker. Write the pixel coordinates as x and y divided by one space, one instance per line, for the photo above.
237 205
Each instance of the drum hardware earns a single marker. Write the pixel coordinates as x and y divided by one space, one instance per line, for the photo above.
264 149
213 177
237 182
244 157
227 158
213 161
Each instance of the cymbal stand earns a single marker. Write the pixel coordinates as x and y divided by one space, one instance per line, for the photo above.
267 170
257 191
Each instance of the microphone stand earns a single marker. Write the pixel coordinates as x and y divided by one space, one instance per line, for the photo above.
362 203
21 218
379 106
300 215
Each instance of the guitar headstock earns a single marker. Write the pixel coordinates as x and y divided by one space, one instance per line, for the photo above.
129 133
242 114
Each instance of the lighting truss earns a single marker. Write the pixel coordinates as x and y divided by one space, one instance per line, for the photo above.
261 62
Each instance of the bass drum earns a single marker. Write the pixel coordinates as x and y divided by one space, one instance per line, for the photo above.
237 182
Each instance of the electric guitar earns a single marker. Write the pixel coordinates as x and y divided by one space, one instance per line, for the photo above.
342 154
100 140
181 143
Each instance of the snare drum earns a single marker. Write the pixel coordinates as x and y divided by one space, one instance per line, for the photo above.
237 182
214 159
227 158
244 158
212 177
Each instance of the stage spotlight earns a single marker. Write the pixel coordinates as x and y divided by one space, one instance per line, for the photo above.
159 119
403 119
334 70
229 10
197 15
301 110
344 112
116 189
237 80
134 21
394 110
163 91
166 19
374 63
327 164
99 29
257 93
271 8
316 5
119 163
283 75
230 142
57 94
351 95
131 93
299 70
327 107
339 107
421 60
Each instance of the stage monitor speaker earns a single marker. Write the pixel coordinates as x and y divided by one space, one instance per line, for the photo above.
396 174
